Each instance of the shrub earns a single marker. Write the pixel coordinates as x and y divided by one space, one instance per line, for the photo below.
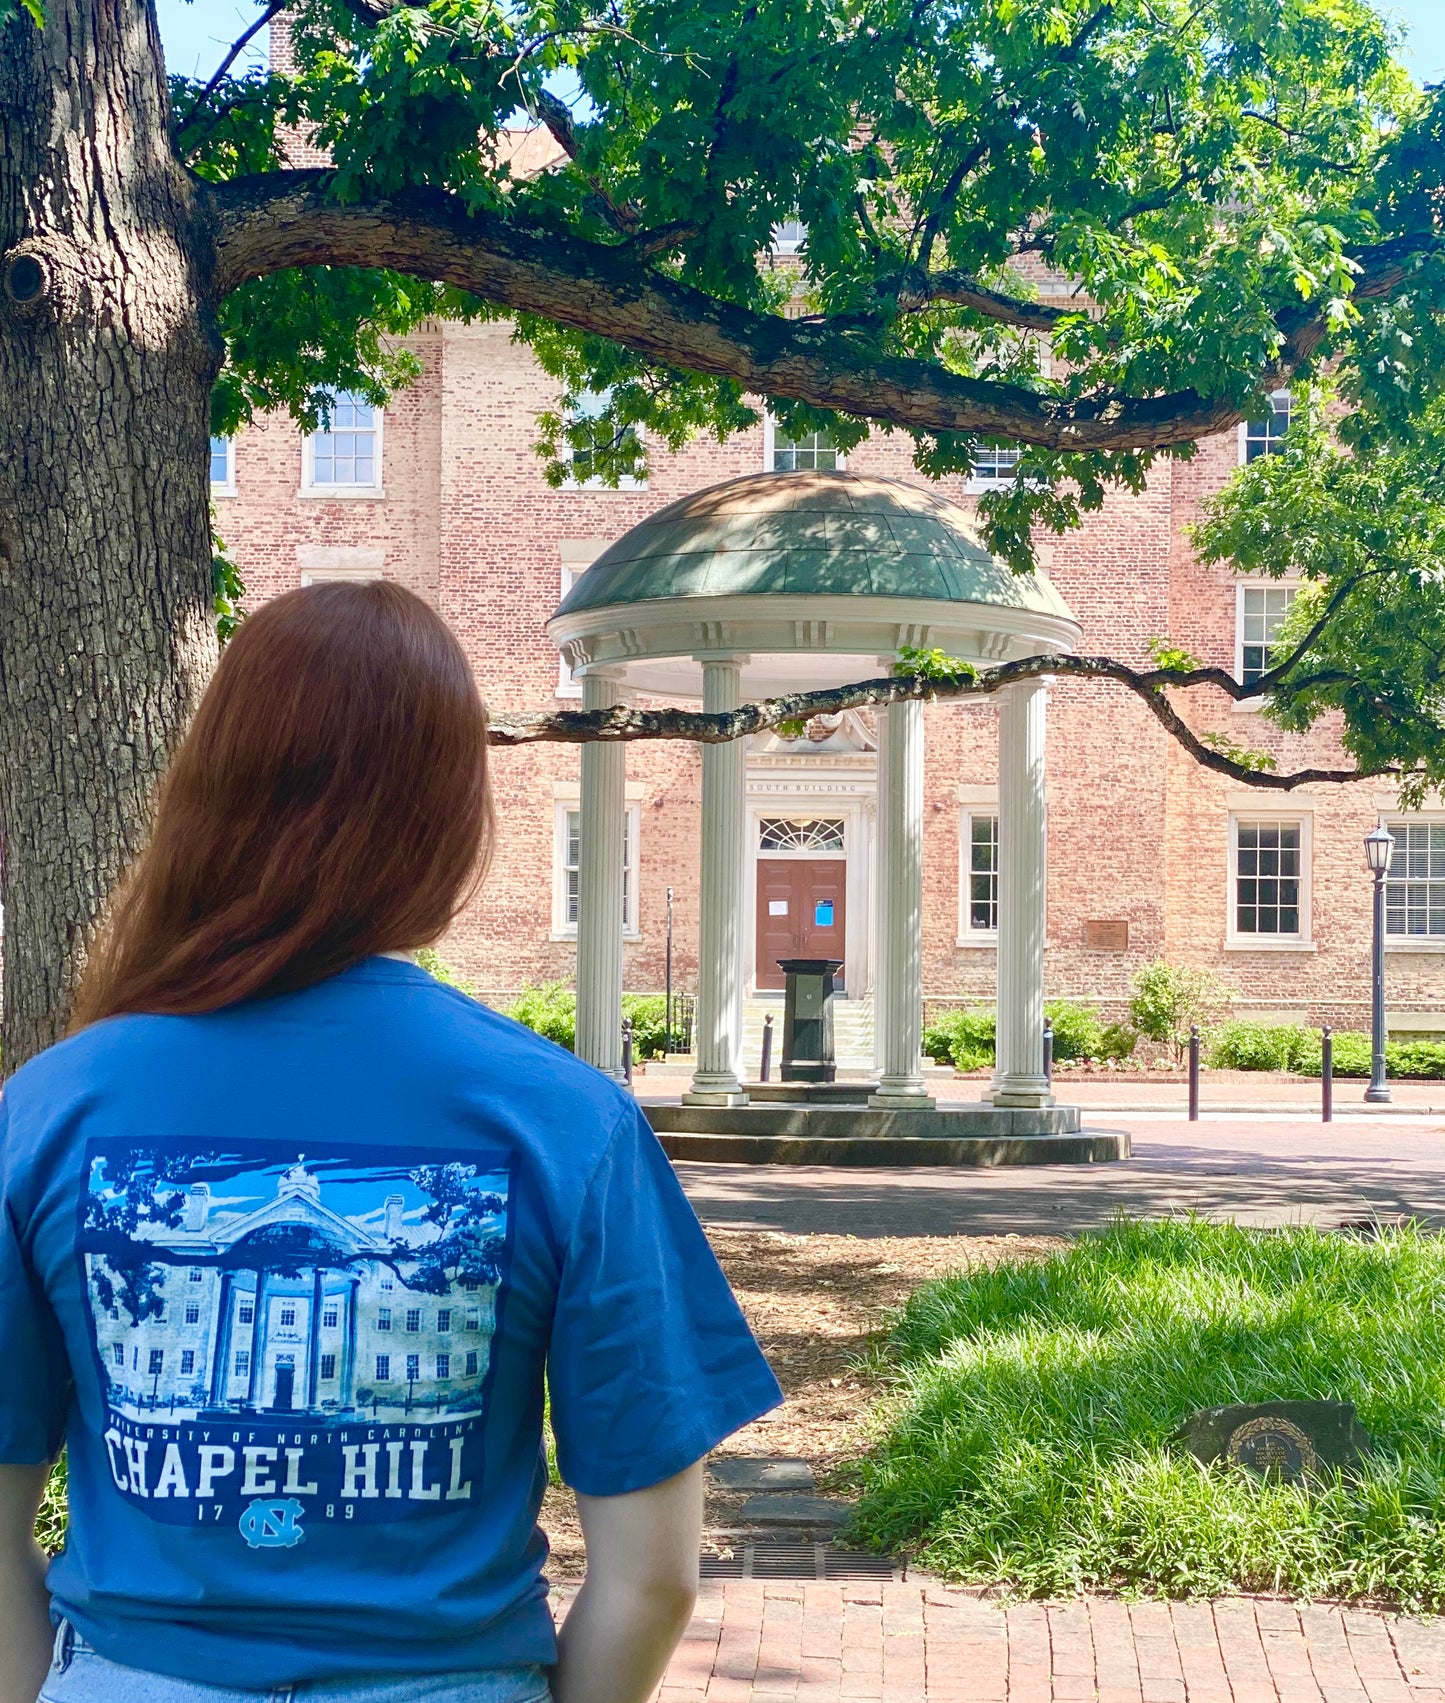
1117 1041
1026 1436
550 1011
436 966
648 1012
1416 1058
1354 1055
964 1039
1168 998
1077 1031
1242 1045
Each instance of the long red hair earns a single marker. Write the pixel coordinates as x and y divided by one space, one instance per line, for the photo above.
330 801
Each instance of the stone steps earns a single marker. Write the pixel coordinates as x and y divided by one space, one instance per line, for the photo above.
852 1032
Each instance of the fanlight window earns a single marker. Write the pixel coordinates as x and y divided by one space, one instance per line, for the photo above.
776 833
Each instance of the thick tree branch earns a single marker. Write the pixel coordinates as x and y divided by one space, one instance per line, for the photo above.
625 724
282 219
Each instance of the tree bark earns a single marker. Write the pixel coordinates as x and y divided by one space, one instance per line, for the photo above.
288 218
107 357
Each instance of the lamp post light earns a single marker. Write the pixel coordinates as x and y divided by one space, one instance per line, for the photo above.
1379 848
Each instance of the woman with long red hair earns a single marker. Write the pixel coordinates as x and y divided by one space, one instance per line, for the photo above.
293 1235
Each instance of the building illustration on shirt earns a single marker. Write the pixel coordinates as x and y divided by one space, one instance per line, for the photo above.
322 1287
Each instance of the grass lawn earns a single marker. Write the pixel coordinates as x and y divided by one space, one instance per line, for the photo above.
1024 1436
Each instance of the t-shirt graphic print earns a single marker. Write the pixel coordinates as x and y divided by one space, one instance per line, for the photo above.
287 1337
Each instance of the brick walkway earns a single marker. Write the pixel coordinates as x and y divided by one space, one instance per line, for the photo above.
921 1643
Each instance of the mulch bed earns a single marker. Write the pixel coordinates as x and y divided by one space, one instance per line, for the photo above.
814 1302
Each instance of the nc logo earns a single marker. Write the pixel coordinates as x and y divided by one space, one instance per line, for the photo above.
272 1525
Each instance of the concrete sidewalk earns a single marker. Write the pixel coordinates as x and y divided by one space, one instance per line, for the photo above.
922 1643
1262 1171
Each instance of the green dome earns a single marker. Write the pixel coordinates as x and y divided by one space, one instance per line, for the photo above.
808 534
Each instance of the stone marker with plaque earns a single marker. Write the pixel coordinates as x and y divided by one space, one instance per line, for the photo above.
1289 1441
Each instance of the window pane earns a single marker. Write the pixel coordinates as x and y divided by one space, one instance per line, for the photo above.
983 873
344 452
1262 611
1263 437
1415 887
220 461
994 463
808 454
1267 865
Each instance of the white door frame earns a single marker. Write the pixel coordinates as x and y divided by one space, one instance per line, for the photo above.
855 802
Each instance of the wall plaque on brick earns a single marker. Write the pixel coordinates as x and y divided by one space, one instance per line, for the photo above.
1107 934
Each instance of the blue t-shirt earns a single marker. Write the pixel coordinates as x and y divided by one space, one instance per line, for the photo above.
286 1279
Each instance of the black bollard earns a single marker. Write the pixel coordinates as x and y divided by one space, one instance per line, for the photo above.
1327 1075
1049 1051
627 1050
1194 1073
767 1064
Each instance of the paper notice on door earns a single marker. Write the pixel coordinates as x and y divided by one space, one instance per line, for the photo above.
823 914
777 907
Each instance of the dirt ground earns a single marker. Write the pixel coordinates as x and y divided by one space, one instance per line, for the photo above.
813 1302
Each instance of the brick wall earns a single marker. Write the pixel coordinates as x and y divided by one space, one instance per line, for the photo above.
1137 832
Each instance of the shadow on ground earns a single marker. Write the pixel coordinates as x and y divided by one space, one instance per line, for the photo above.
1268 1180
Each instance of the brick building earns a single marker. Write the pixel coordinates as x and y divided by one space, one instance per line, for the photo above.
1149 856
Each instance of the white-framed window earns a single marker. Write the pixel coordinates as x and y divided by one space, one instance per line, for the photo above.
814 836
188 1361
328 1368
1415 886
223 467
413 1365
444 1365
383 1368
1269 897
383 1318
789 237
343 459
813 453
585 415
993 465
1265 436
1260 612
567 863
978 874
242 1362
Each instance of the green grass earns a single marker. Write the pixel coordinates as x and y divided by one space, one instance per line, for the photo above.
1026 1436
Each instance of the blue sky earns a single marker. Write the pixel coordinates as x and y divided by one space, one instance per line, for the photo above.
196 36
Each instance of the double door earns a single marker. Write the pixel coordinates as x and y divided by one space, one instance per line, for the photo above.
802 905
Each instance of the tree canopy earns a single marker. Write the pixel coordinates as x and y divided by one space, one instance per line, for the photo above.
1235 192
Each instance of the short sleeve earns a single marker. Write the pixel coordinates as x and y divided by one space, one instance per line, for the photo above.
652 1363
34 1397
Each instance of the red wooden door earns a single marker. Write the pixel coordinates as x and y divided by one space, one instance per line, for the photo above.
802 905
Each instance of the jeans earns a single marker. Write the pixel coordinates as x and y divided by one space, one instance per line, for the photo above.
79 1675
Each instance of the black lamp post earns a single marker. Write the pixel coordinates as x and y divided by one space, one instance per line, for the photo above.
1379 848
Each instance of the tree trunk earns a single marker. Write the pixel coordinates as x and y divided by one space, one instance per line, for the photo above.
107 356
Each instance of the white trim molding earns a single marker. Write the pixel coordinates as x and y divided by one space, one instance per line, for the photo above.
1242 586
319 563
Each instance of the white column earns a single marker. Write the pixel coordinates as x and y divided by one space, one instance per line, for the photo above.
899 980
599 892
1022 846
718 1027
